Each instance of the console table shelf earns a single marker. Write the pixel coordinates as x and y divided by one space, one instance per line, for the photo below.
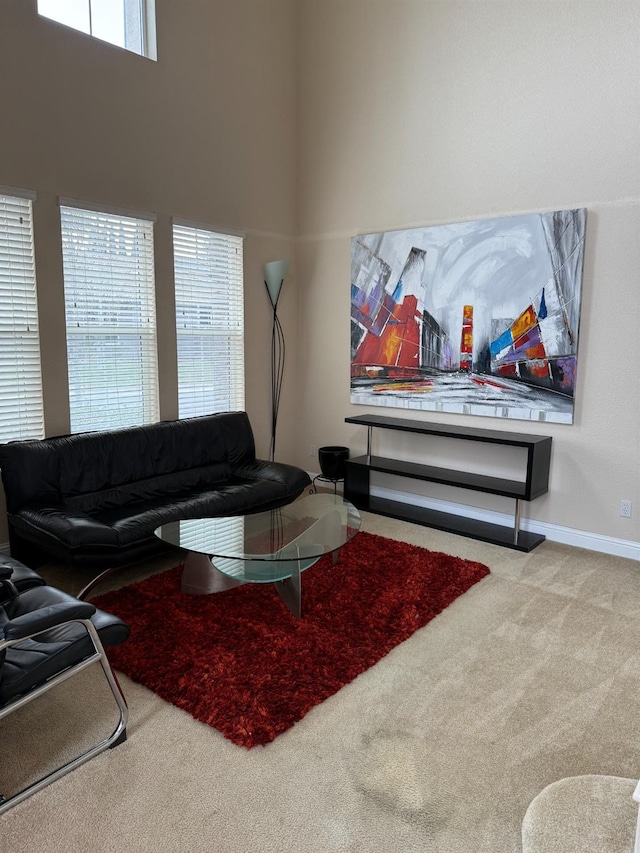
536 482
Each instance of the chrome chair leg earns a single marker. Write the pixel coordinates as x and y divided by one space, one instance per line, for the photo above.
116 737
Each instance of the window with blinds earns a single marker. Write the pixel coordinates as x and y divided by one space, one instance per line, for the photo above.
209 320
21 409
111 319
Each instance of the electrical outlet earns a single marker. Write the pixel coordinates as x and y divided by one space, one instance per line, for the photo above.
625 509
312 450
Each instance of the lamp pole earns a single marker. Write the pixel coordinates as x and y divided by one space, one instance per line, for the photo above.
274 275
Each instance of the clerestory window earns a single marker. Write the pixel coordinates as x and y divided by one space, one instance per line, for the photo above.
126 23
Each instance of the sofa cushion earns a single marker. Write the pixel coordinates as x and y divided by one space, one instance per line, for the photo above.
164 486
232 499
91 463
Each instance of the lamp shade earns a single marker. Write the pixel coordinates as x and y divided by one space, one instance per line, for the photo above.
274 273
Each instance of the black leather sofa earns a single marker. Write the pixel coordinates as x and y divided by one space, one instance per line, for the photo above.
93 499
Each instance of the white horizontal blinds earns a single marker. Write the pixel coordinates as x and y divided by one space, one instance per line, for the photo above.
209 321
111 319
21 410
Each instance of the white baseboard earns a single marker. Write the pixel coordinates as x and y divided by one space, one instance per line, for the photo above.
553 532
4 547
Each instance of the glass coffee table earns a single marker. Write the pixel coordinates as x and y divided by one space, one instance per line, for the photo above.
266 547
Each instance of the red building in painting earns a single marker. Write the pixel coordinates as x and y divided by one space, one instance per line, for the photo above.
395 353
466 343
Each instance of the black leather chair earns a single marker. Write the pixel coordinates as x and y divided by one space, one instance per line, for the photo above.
21 576
46 637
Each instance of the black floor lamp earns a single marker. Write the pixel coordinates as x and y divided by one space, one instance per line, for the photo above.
274 274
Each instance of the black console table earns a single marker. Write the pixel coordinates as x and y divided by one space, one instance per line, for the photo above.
536 482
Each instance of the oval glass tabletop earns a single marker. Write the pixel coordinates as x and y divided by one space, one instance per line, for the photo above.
268 546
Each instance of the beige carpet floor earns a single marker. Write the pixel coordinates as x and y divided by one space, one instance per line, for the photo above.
531 676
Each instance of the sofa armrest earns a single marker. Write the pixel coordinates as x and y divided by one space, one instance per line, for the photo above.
70 527
294 480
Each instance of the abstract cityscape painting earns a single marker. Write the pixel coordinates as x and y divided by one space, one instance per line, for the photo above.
476 318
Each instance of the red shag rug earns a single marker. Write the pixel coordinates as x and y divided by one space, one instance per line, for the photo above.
242 663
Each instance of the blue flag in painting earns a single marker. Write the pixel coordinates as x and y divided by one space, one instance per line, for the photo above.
542 310
505 340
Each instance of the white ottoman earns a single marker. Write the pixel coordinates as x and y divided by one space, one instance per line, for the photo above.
582 814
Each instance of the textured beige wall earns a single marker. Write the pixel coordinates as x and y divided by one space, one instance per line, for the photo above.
416 112
207 133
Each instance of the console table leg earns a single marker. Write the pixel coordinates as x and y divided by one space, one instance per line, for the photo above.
516 522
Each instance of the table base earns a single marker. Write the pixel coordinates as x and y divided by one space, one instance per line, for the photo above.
201 577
